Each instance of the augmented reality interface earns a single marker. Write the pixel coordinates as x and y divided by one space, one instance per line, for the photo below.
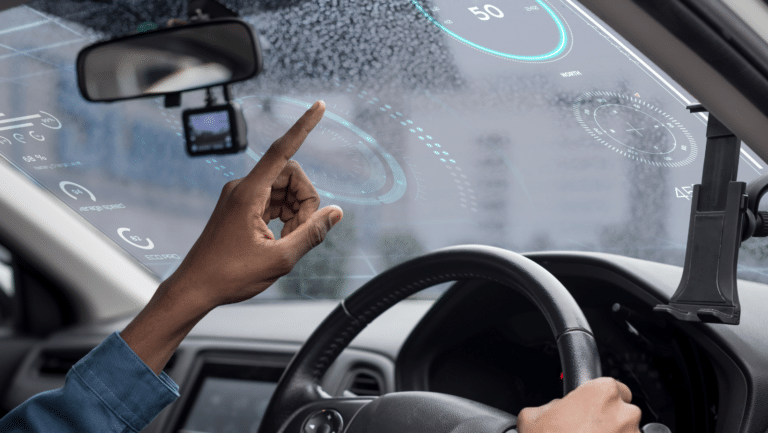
523 124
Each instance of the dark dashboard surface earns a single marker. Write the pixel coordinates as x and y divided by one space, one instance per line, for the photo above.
488 343
480 342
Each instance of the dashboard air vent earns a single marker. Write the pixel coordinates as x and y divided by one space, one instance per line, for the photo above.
364 383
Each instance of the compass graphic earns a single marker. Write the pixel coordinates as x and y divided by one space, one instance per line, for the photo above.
344 162
523 31
635 129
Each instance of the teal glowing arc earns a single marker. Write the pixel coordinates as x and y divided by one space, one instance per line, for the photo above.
554 53
399 185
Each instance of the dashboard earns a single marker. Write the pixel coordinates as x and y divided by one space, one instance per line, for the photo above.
478 341
489 344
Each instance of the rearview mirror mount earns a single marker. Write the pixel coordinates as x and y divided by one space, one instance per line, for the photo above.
168 62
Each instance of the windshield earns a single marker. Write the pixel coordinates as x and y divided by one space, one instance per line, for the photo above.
528 125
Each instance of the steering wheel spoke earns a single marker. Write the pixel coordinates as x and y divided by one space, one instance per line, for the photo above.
326 415
402 412
416 412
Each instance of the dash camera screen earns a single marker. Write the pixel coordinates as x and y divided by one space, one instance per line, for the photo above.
209 131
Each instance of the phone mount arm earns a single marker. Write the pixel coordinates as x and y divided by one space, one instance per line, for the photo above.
707 290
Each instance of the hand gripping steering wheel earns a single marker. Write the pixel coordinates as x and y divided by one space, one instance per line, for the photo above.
299 405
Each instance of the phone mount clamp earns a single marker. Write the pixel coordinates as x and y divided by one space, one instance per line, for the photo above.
724 213
707 290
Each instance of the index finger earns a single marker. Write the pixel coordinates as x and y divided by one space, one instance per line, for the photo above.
277 156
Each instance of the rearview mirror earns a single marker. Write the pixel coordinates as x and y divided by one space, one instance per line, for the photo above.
171 60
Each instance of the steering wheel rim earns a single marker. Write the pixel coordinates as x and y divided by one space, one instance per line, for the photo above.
299 385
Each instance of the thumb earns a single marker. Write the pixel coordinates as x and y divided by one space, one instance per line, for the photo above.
311 233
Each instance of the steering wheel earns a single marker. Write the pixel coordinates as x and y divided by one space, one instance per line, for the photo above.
300 405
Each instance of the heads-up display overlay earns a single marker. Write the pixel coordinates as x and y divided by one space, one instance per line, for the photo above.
524 124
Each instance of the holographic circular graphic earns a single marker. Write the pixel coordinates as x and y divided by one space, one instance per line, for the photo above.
523 31
635 129
344 162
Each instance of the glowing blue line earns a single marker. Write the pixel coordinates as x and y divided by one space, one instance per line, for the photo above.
555 52
24 26
47 47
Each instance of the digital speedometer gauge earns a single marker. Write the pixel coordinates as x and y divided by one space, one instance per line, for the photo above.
635 129
524 31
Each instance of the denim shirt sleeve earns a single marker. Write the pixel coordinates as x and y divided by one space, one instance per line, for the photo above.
110 390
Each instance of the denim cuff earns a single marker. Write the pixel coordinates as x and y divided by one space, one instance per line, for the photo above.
124 383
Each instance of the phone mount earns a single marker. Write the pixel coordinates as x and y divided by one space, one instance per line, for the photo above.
723 215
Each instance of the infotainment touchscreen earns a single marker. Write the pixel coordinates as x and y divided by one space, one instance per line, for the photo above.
228 397
228 405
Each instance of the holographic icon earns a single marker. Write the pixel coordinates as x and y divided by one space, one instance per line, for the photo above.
133 239
635 129
74 190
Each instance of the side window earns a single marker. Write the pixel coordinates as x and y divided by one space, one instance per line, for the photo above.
31 303
6 272
7 287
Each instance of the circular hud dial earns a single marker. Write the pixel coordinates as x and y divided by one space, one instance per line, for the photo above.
344 162
635 129
525 31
